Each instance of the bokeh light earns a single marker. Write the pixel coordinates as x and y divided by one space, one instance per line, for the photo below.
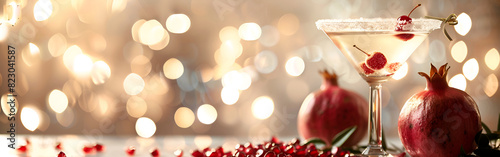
295 66
135 29
265 62
151 32
401 73
470 69
173 68
231 49
9 108
42 10
206 114
145 127
70 55
184 117
58 101
136 106
237 79
57 45
133 84
270 36
117 6
288 24
229 33
66 118
249 31
100 72
141 65
459 51
31 55
490 86
458 81
229 95
30 118
464 25
262 107
82 65
492 59
178 23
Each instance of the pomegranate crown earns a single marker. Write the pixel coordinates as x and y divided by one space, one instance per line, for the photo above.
330 78
436 78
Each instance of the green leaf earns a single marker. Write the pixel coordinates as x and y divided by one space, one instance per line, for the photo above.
488 131
342 136
314 140
462 151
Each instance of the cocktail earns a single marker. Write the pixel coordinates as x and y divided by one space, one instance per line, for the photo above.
377 48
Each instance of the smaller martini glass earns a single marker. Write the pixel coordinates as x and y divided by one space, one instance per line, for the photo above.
376 51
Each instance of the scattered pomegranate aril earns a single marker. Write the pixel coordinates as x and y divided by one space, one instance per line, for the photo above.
155 152
88 149
274 140
178 153
22 148
404 22
61 154
130 150
99 147
197 153
59 146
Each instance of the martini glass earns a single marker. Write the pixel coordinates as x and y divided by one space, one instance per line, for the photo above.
366 43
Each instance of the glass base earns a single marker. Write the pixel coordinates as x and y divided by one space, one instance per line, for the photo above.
374 151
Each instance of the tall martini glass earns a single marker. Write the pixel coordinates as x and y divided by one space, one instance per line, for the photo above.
376 51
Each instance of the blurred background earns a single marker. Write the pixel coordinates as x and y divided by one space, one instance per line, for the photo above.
216 67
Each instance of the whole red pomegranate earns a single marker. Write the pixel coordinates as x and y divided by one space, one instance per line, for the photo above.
440 120
332 109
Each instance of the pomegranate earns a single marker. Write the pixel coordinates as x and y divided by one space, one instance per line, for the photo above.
440 120
332 109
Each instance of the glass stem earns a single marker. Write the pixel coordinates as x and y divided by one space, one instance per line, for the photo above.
375 121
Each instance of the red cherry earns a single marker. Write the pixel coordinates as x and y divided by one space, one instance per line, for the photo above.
155 152
59 146
404 22
393 67
130 150
366 70
178 153
376 61
99 147
61 154
22 148
88 149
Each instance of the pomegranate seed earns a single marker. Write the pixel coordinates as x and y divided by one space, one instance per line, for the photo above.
206 149
239 154
130 150
210 154
274 140
99 147
403 154
61 154
248 145
295 141
275 149
239 147
88 149
155 152
259 152
313 152
197 153
249 150
289 149
178 153
300 152
270 154
22 148
219 150
59 146
405 36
